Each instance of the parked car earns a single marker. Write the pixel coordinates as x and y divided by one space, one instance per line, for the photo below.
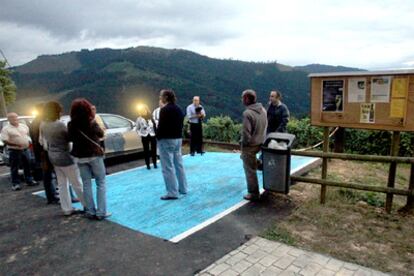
121 137
4 153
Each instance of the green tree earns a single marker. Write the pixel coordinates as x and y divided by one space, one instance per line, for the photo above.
7 87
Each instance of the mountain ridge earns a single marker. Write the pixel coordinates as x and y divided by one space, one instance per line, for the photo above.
115 79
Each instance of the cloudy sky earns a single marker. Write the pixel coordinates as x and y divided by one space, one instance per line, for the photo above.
372 34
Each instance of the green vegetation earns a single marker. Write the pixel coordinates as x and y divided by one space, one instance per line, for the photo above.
352 225
6 84
224 129
279 234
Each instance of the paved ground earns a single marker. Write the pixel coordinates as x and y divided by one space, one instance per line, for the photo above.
35 239
259 256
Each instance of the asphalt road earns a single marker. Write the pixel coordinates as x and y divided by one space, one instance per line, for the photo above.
35 239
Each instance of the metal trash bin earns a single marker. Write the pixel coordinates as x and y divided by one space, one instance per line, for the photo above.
276 162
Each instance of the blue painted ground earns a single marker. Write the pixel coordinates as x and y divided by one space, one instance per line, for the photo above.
215 180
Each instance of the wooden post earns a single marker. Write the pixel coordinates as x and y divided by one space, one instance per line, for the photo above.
410 198
339 140
324 162
395 147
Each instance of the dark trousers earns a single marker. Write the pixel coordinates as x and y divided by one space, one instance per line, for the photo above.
48 177
19 158
146 142
196 138
248 155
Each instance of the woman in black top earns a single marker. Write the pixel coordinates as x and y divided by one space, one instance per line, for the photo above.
85 133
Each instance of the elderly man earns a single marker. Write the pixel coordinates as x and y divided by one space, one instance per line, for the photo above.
277 113
16 136
253 135
196 114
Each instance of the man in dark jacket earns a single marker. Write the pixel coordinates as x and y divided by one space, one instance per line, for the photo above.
277 113
169 136
253 135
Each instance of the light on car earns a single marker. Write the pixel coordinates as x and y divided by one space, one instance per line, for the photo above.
35 112
140 106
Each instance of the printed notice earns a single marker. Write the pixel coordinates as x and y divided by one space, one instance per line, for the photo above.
399 87
380 89
367 113
356 90
333 94
397 108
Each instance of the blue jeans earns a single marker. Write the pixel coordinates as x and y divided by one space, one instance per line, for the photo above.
18 158
172 166
96 167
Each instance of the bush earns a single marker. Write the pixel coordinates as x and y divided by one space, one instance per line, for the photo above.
306 135
223 129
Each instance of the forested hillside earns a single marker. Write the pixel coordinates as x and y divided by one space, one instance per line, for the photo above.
115 80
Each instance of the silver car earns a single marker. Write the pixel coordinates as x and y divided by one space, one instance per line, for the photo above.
121 137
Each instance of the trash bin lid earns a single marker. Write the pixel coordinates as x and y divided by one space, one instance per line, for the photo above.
280 136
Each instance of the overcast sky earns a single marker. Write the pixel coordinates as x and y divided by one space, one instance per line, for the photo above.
372 34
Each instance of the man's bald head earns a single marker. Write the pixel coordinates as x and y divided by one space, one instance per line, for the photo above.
196 100
13 118
249 97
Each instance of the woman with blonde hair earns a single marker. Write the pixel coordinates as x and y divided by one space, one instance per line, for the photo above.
146 129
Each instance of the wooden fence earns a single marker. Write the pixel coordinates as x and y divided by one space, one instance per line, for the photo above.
389 190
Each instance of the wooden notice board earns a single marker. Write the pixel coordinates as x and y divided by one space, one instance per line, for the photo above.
382 100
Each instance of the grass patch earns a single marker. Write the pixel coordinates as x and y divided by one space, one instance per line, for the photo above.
352 225
279 234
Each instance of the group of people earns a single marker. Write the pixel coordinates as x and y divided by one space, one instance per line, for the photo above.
147 123
74 152
166 125
257 123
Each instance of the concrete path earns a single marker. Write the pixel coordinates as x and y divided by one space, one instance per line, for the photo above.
263 257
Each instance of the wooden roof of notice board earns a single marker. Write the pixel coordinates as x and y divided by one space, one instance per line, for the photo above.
362 73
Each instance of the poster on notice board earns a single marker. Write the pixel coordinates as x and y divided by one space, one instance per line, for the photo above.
367 114
332 95
356 90
380 89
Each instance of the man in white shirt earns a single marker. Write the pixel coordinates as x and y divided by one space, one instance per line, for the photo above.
196 114
16 136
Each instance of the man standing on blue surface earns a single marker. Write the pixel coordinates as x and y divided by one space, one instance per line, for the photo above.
253 136
277 113
169 136
196 114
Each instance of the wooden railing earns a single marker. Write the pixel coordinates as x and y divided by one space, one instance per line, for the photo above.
393 160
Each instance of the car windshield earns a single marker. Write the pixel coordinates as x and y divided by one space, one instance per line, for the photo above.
115 121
